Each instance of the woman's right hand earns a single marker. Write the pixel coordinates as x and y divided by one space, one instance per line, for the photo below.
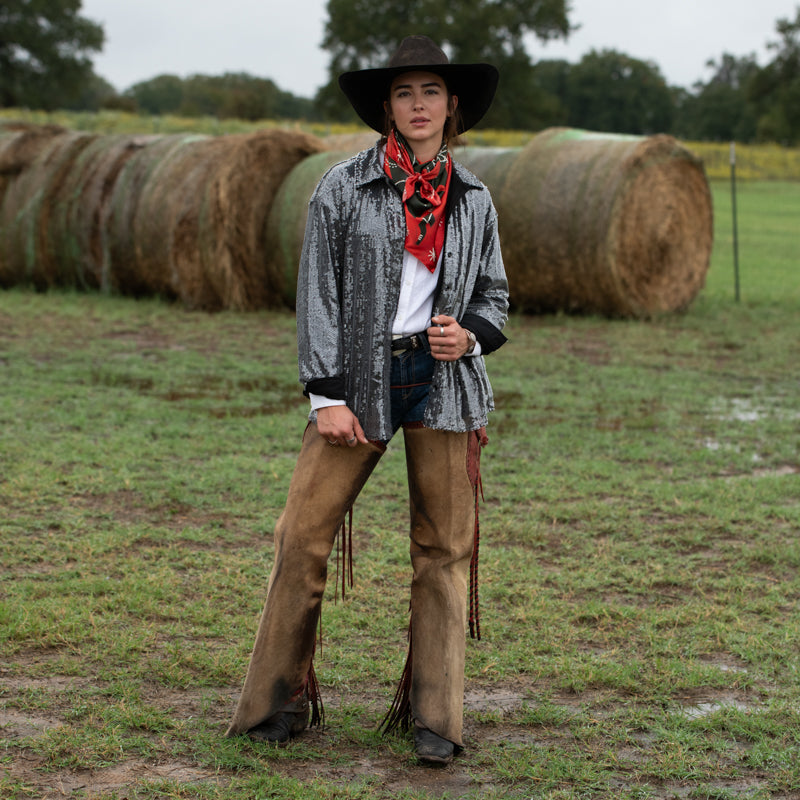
339 425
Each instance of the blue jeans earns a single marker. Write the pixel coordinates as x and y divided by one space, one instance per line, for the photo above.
410 382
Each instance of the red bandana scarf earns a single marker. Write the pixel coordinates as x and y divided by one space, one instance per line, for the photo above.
423 189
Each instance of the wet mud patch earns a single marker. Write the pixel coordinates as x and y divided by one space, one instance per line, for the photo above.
333 754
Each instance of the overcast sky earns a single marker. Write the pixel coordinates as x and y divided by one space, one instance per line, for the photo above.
280 39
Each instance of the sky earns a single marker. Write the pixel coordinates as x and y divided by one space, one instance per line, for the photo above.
280 39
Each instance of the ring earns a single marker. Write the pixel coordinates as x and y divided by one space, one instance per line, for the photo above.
331 443
351 440
441 330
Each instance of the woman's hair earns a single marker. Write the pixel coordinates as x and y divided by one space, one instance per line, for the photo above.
451 126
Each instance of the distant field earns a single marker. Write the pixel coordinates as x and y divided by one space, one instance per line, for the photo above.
768 222
754 162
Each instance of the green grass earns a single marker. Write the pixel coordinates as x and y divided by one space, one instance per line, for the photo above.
639 582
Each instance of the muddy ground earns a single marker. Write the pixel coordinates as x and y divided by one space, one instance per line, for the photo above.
339 763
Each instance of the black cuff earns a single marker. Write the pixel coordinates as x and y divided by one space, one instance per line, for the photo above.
490 338
332 388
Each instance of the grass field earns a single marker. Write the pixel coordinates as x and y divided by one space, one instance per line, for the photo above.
640 554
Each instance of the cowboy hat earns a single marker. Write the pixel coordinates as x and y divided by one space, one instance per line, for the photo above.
473 84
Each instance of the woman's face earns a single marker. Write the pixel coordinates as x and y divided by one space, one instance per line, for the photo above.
419 105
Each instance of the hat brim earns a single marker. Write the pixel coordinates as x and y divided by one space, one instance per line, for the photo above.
474 85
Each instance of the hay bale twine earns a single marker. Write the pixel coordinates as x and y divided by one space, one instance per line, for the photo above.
196 209
28 205
286 224
598 223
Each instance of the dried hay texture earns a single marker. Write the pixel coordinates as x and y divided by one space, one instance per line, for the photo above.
596 223
350 143
139 250
188 215
78 229
286 224
30 201
20 143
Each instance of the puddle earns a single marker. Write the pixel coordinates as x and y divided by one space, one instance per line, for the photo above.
704 709
744 409
699 710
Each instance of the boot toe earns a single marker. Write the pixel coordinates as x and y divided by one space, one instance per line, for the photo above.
432 748
281 727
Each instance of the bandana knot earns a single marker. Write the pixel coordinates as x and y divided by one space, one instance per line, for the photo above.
423 190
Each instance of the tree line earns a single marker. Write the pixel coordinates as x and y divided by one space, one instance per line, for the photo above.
46 47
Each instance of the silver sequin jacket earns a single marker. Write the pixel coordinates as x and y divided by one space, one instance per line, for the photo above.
349 284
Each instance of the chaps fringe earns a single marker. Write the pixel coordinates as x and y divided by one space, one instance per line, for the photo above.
315 697
399 713
476 442
344 546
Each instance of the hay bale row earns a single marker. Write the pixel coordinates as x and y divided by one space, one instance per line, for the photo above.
617 225
177 216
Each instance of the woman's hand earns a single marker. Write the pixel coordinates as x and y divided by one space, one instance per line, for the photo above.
339 425
448 340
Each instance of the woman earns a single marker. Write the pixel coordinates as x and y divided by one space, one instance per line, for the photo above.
401 291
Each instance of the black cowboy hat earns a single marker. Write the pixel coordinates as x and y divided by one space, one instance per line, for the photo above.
473 84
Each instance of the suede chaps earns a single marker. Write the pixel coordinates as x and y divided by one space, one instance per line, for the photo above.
324 486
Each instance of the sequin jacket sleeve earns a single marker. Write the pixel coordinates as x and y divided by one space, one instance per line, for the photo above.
349 283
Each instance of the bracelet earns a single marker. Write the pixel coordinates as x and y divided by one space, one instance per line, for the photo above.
472 342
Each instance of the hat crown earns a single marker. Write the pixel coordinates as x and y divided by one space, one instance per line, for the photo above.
417 50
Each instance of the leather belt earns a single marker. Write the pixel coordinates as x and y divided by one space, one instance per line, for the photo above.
414 342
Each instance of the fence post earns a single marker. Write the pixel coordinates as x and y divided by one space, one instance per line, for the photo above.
735 226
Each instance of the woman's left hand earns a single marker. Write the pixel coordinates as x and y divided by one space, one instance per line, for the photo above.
448 340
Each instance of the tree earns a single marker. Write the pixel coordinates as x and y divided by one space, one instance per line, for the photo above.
160 95
95 93
232 95
610 91
719 110
360 34
775 90
44 52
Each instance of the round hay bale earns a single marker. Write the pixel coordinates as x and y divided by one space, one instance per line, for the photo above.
197 208
21 142
490 164
77 232
28 205
597 223
139 261
287 222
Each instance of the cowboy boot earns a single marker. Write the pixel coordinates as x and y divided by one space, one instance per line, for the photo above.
324 486
442 503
